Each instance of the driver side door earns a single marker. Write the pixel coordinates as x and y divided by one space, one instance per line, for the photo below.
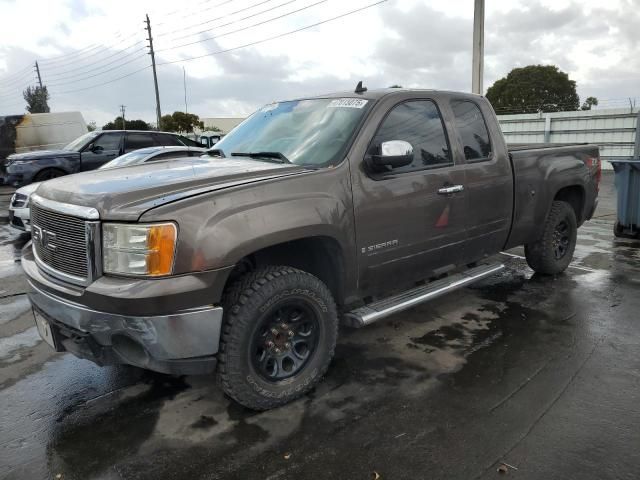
410 222
104 148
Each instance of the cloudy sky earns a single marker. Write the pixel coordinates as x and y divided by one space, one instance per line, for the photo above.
84 47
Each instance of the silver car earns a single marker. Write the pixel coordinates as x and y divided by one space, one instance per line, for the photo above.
19 213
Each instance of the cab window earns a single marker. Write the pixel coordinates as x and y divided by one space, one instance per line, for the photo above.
135 141
473 130
419 123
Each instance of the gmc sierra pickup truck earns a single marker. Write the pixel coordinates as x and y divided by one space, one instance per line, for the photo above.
350 206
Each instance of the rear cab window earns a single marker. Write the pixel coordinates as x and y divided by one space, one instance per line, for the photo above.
135 141
187 142
473 131
167 140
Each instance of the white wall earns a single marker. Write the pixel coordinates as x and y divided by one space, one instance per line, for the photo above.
613 129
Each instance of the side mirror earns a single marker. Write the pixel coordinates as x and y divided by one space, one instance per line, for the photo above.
96 149
394 154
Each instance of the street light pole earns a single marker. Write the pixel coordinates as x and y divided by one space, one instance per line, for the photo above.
478 48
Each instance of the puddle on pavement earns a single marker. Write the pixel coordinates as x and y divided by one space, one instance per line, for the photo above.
11 243
153 422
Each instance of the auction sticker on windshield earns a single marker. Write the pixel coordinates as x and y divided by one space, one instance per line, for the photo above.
347 103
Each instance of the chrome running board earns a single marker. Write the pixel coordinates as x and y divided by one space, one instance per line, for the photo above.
402 301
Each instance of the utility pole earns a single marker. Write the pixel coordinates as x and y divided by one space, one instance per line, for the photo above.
38 72
124 124
478 48
184 82
155 76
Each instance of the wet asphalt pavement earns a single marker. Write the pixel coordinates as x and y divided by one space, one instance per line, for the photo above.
539 373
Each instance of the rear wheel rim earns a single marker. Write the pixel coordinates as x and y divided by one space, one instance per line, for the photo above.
561 239
285 340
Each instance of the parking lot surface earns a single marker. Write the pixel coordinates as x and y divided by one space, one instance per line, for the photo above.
537 373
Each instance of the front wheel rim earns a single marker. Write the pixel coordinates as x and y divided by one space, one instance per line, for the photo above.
561 239
285 340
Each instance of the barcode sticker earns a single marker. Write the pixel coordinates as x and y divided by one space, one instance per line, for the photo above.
347 103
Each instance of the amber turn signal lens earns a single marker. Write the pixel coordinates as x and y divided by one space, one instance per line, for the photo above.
161 244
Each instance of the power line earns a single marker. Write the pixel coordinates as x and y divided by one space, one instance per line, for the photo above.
17 74
22 79
246 27
290 32
189 14
96 49
78 78
134 72
213 20
101 84
99 61
76 53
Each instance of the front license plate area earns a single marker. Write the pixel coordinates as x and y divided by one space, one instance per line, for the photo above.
45 330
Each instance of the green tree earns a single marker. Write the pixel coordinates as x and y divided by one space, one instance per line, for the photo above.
535 88
116 124
180 122
37 99
589 103
91 126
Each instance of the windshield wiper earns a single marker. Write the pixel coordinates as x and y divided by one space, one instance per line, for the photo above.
269 155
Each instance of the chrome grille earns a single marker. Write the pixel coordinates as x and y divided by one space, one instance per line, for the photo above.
60 241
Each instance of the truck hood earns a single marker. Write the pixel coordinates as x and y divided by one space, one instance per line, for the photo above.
36 154
126 193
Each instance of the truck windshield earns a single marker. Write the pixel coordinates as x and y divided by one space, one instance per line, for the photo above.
305 132
80 142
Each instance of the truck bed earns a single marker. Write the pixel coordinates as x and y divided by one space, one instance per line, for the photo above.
539 171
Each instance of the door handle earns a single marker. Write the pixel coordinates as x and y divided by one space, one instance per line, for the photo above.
451 189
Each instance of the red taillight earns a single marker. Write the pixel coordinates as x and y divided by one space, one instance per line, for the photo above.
595 166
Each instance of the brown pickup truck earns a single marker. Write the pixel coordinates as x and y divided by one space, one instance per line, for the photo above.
350 206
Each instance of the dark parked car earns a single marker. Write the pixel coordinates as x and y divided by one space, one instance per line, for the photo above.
352 206
87 152
19 211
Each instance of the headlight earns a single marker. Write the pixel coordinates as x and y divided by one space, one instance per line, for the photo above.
134 249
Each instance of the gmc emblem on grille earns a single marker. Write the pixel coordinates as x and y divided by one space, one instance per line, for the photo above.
44 238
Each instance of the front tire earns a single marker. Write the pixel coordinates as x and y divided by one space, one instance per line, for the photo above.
278 338
553 251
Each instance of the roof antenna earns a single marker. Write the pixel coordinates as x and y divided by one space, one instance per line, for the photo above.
360 88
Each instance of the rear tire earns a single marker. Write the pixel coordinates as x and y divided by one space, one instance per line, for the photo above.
48 174
553 251
278 338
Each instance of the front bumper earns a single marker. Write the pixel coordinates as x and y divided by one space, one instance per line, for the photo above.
170 338
180 343
14 180
20 218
